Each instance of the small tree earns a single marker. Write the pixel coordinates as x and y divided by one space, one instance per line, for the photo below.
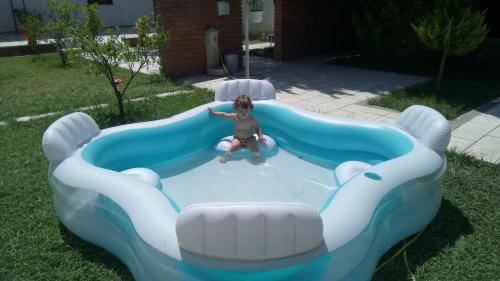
60 26
452 28
108 52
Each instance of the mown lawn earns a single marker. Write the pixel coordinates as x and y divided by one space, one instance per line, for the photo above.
460 244
35 85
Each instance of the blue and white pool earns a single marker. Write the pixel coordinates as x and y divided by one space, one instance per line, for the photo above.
330 197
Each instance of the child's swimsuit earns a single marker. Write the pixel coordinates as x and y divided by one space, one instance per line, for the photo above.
244 141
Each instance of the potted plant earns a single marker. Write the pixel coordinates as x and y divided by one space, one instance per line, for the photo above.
256 11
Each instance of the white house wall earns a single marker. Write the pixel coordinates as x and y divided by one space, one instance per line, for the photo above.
6 20
121 12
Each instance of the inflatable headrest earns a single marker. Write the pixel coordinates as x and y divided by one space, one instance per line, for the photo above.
249 231
255 89
66 134
427 125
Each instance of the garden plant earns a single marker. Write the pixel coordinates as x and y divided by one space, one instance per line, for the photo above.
62 25
32 25
453 28
107 52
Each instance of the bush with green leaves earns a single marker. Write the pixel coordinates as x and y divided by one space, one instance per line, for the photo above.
32 25
384 33
108 52
63 21
454 28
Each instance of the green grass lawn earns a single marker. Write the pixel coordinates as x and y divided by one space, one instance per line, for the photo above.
460 244
463 87
30 86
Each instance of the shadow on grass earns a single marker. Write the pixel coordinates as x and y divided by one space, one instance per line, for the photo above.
95 254
447 227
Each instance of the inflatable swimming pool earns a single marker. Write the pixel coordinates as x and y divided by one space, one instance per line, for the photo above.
330 198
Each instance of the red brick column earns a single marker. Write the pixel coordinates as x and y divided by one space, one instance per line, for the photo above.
186 22
303 28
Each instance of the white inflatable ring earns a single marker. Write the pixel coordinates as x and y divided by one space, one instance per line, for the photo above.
266 148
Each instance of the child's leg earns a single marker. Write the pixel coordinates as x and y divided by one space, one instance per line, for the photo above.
252 145
235 145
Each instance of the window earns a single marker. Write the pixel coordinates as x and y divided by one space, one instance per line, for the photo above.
101 2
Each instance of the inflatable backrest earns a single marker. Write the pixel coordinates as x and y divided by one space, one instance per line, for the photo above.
249 231
255 89
66 134
427 125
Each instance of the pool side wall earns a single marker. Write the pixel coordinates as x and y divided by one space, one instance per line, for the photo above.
99 219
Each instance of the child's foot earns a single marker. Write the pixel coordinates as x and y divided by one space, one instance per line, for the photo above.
223 159
257 157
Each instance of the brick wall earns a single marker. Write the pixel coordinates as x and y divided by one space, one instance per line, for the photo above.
186 22
303 28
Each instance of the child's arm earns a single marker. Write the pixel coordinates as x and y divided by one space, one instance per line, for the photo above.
221 114
258 130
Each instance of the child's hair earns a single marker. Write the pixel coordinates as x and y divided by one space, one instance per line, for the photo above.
242 101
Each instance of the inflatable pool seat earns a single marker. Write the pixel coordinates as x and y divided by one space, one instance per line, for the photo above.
146 175
348 170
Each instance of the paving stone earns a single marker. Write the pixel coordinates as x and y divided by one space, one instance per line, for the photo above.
338 112
358 95
371 110
376 111
487 148
365 116
287 98
313 103
495 133
486 120
394 115
459 144
471 131
386 119
353 108
330 106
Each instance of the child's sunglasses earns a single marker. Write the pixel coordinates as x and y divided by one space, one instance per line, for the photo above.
244 105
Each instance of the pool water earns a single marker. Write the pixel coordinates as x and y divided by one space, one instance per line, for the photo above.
284 177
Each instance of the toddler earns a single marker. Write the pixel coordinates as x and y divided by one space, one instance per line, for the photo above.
244 126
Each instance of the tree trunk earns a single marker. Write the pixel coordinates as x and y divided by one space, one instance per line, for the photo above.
441 69
119 98
62 55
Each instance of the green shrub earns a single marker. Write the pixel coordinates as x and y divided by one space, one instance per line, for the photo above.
453 28
62 22
384 32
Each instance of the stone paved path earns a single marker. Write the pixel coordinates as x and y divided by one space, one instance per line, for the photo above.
478 132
